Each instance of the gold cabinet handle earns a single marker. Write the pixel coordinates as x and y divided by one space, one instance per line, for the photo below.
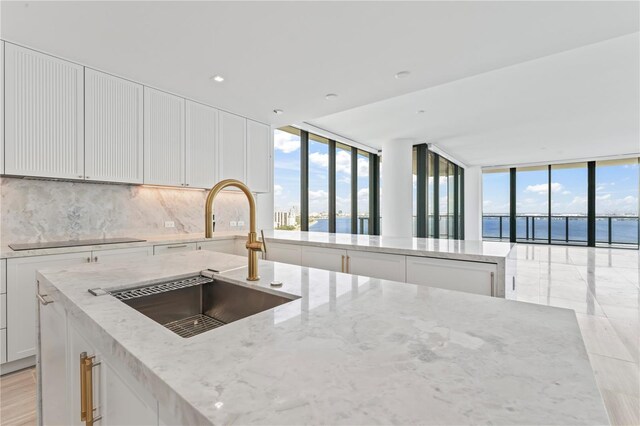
86 389
348 265
41 298
342 267
180 246
83 388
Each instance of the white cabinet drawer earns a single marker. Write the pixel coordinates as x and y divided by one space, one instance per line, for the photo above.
221 246
173 248
3 311
324 258
377 265
285 253
469 277
114 255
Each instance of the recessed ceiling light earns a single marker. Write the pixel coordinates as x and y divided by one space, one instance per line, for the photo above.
278 111
217 78
420 111
402 74
330 96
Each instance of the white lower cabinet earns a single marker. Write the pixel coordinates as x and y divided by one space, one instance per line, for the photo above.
115 397
21 299
3 346
123 403
282 252
469 277
221 246
377 265
115 255
330 259
173 248
52 364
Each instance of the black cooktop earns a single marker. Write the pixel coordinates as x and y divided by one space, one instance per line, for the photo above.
74 243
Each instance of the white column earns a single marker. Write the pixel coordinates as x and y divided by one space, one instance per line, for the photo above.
397 188
473 203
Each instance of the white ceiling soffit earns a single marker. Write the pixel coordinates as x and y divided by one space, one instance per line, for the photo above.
583 103
289 55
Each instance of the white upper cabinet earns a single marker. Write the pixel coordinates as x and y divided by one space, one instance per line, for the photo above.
164 145
202 146
259 154
44 125
113 128
233 146
2 100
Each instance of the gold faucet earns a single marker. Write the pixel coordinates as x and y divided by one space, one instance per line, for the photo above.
253 245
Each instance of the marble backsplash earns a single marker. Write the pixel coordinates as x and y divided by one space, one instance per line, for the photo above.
34 210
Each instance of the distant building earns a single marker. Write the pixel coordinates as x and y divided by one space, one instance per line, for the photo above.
284 218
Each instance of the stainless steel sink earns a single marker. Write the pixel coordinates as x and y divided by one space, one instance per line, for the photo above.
197 304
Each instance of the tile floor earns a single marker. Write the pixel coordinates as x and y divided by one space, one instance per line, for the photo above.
601 285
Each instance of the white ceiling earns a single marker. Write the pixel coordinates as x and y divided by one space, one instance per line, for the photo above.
288 55
580 104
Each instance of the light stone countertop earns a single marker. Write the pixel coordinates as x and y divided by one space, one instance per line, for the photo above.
350 350
482 251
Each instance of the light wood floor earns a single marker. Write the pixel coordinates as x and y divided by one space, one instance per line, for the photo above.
18 398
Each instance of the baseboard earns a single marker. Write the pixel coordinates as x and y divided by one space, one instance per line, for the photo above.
19 364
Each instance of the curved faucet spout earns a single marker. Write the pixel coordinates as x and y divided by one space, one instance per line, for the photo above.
253 245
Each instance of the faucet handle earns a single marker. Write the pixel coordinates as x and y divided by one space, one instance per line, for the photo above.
264 245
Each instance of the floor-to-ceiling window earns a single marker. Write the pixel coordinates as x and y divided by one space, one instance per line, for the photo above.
286 178
343 188
318 183
415 191
617 188
323 185
443 183
532 205
569 203
431 206
495 204
363 192
438 195
583 203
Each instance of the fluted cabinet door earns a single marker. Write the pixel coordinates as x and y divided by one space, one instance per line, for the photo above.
233 146
2 114
259 154
201 146
113 128
164 148
44 110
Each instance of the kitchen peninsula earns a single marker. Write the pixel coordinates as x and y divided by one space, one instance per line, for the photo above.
346 349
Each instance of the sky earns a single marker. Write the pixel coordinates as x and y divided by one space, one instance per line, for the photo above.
287 176
616 191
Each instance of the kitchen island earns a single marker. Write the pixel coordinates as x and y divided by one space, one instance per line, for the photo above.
346 349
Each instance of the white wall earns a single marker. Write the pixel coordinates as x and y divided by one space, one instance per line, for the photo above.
473 203
397 188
